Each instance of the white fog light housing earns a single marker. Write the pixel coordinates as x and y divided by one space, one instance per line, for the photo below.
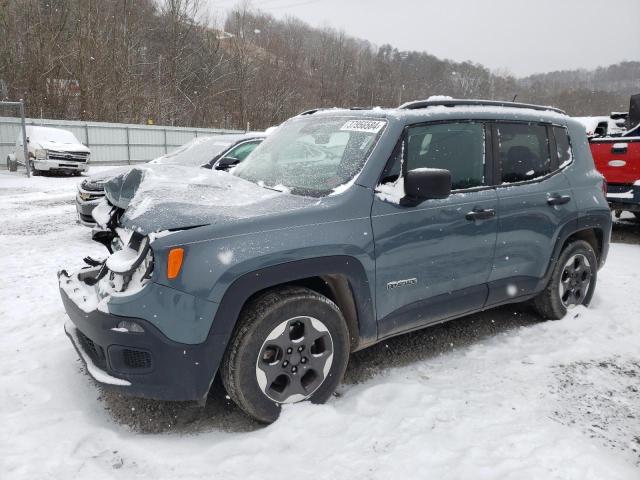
130 326
41 154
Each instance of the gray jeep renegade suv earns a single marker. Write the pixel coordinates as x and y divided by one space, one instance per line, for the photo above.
341 229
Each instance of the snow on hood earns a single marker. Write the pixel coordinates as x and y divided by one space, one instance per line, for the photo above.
169 197
103 177
62 147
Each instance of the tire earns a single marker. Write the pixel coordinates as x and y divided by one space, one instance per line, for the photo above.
12 165
577 270
273 359
33 170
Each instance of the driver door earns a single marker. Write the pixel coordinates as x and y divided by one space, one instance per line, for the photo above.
433 260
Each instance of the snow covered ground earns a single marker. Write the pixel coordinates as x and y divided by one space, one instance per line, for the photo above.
496 395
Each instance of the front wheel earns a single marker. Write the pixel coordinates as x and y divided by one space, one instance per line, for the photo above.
12 165
290 345
572 282
33 170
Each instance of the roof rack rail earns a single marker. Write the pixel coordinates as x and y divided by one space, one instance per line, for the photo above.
314 110
310 112
493 103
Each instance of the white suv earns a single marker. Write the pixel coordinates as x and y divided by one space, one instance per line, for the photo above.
52 149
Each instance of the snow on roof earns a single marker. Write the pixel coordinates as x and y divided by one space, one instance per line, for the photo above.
48 134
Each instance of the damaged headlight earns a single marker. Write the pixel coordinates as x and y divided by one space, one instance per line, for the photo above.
130 266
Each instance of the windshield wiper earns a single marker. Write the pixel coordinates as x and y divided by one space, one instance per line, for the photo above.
269 188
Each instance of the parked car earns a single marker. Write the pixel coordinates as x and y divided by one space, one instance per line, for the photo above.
617 157
220 152
271 275
50 150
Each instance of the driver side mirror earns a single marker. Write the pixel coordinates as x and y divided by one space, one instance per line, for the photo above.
225 163
424 184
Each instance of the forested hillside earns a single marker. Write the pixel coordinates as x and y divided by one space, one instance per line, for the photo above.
140 61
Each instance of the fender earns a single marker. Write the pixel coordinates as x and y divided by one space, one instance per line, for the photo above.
595 220
253 282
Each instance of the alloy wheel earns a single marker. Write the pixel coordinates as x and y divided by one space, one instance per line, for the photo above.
575 280
294 360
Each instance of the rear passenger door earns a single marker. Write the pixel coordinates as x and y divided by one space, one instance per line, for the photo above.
433 260
534 202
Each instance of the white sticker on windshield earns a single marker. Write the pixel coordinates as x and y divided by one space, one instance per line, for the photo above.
371 126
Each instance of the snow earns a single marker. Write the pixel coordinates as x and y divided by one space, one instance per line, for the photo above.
496 395
94 371
391 192
202 189
122 260
628 194
102 213
85 297
52 136
225 257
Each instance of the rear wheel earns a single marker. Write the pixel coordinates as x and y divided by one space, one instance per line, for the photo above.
572 282
290 345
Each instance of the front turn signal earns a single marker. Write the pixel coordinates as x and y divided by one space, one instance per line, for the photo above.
174 262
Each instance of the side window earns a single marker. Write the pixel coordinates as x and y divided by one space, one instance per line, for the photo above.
457 147
563 146
242 151
523 151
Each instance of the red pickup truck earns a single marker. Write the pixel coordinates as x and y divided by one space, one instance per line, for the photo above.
618 159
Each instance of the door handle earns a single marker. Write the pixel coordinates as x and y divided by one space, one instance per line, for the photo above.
556 199
619 148
480 214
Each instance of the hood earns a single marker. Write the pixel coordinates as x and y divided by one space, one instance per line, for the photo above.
105 176
63 147
169 197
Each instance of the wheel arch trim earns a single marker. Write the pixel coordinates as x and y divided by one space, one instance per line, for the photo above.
339 277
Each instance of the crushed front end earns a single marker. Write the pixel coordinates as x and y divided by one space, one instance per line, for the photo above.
126 327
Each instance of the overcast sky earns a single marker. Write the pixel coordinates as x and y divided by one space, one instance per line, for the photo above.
521 36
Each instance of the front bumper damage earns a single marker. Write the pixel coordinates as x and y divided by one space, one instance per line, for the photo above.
119 319
143 364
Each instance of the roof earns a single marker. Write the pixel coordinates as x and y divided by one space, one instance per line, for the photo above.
429 110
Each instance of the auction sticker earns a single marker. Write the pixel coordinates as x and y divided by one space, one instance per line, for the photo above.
370 126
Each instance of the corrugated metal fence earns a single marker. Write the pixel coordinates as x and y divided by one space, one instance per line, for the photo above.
110 143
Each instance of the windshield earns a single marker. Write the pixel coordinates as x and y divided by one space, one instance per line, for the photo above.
312 155
195 153
53 135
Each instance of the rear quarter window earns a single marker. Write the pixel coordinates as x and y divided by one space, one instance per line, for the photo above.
563 146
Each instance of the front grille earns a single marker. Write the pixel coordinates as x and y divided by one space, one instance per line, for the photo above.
86 196
68 156
137 359
95 352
